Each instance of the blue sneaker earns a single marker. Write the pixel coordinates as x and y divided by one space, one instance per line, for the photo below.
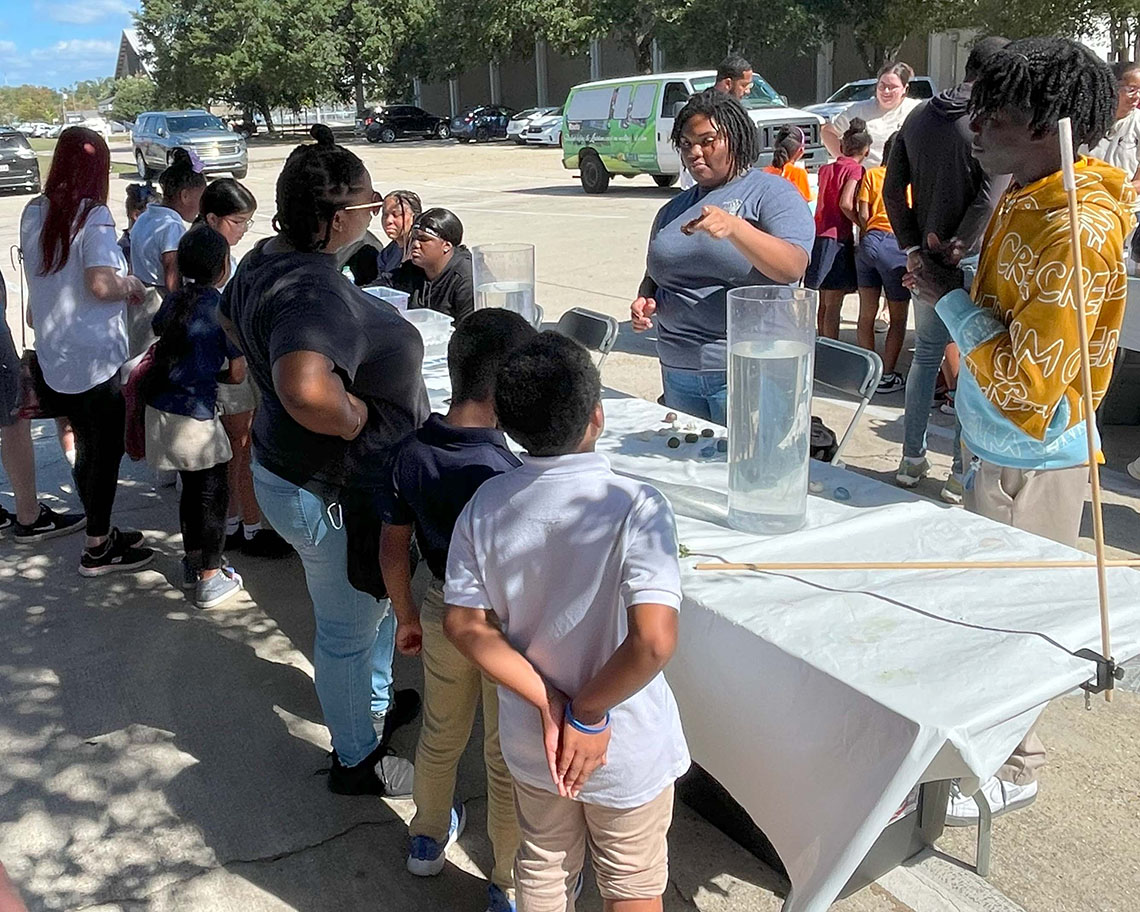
497 900
425 855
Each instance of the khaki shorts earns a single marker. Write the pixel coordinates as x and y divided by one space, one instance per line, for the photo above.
628 848
178 443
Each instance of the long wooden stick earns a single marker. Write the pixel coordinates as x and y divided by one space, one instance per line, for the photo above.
1065 137
776 566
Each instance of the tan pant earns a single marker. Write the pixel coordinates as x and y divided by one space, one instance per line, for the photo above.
1046 502
451 693
628 848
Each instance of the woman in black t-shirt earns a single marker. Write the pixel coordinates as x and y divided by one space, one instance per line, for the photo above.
340 379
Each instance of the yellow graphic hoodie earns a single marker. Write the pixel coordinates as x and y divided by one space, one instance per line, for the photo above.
1019 391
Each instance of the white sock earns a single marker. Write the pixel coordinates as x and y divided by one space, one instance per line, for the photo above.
251 529
69 455
232 524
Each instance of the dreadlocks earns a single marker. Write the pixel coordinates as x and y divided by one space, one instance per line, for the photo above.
1047 79
730 120
316 181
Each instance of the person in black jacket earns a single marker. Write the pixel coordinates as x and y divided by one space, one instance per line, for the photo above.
952 198
438 274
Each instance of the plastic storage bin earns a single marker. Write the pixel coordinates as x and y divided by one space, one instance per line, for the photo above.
434 327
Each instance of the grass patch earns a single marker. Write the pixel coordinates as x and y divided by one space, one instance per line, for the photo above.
42 144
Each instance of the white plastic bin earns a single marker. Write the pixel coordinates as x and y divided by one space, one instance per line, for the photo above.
434 327
398 299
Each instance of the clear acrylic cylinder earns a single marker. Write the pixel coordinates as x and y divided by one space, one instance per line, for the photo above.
771 356
503 276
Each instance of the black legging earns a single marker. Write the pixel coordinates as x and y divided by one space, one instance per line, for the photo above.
97 417
202 513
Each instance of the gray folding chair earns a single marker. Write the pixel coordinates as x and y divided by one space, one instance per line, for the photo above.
592 330
848 369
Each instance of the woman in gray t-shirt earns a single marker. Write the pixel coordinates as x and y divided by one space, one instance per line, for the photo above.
738 226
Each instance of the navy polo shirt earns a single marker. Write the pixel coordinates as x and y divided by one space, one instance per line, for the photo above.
436 470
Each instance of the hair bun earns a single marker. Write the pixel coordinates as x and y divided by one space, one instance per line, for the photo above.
857 125
323 135
180 157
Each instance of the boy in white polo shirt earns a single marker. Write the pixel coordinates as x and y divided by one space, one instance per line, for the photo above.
579 567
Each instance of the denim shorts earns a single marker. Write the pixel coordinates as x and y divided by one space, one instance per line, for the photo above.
880 263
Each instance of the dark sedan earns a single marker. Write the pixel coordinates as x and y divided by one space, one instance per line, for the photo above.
389 124
482 123
19 168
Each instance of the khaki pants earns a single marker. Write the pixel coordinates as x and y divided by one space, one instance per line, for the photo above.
1048 503
452 686
627 846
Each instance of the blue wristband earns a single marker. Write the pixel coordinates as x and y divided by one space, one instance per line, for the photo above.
582 727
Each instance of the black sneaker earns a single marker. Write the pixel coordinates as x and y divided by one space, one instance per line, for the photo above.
235 540
117 554
891 383
7 520
403 708
380 773
265 543
48 524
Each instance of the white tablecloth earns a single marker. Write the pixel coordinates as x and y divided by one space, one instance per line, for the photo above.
820 700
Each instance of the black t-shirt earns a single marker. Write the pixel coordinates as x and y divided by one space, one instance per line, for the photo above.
435 471
282 301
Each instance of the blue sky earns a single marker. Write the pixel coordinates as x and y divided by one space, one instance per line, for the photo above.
58 42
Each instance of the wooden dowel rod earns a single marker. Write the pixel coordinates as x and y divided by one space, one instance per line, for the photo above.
776 566
1065 136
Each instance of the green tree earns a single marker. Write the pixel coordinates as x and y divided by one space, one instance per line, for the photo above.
879 28
28 104
703 34
133 95
637 23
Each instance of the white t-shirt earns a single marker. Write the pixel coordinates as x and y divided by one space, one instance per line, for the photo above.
880 124
157 231
80 340
1121 148
560 549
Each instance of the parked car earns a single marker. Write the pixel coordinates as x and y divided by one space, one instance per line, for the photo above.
19 167
389 123
158 133
920 87
624 126
482 123
545 130
521 121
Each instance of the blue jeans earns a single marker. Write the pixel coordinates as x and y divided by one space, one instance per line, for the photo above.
700 393
930 340
352 652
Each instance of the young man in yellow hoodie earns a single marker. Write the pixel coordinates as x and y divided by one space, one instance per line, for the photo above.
1019 391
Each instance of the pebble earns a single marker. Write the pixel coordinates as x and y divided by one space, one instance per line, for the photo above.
708 452
707 432
673 443
691 438
670 416
690 425
842 494
816 487
722 445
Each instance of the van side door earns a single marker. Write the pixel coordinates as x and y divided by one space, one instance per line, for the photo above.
672 99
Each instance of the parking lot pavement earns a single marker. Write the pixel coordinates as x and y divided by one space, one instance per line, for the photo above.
154 757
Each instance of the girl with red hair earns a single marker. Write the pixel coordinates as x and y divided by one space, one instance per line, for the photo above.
78 289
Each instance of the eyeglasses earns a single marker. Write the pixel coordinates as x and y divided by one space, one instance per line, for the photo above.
238 222
883 87
1132 91
375 207
706 144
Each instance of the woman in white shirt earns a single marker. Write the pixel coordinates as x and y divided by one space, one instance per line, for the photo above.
78 289
1121 148
883 114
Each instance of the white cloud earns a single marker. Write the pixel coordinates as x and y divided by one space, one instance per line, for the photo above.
83 12
60 64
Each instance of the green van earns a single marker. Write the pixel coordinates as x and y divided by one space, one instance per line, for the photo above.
623 126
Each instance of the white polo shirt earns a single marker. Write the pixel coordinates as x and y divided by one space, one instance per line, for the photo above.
560 549
156 231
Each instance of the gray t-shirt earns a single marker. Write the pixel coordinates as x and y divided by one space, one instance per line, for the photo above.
693 273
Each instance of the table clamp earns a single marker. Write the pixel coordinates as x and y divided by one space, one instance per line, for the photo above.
1107 674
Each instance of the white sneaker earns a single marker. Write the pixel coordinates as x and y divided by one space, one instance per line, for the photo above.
1134 468
911 470
1002 797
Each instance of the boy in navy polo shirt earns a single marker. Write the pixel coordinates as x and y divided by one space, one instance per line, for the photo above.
436 470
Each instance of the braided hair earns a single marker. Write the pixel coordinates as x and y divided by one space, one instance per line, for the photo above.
730 120
180 175
789 141
317 180
1047 79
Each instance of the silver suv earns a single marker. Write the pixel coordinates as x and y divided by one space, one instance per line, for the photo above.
157 134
